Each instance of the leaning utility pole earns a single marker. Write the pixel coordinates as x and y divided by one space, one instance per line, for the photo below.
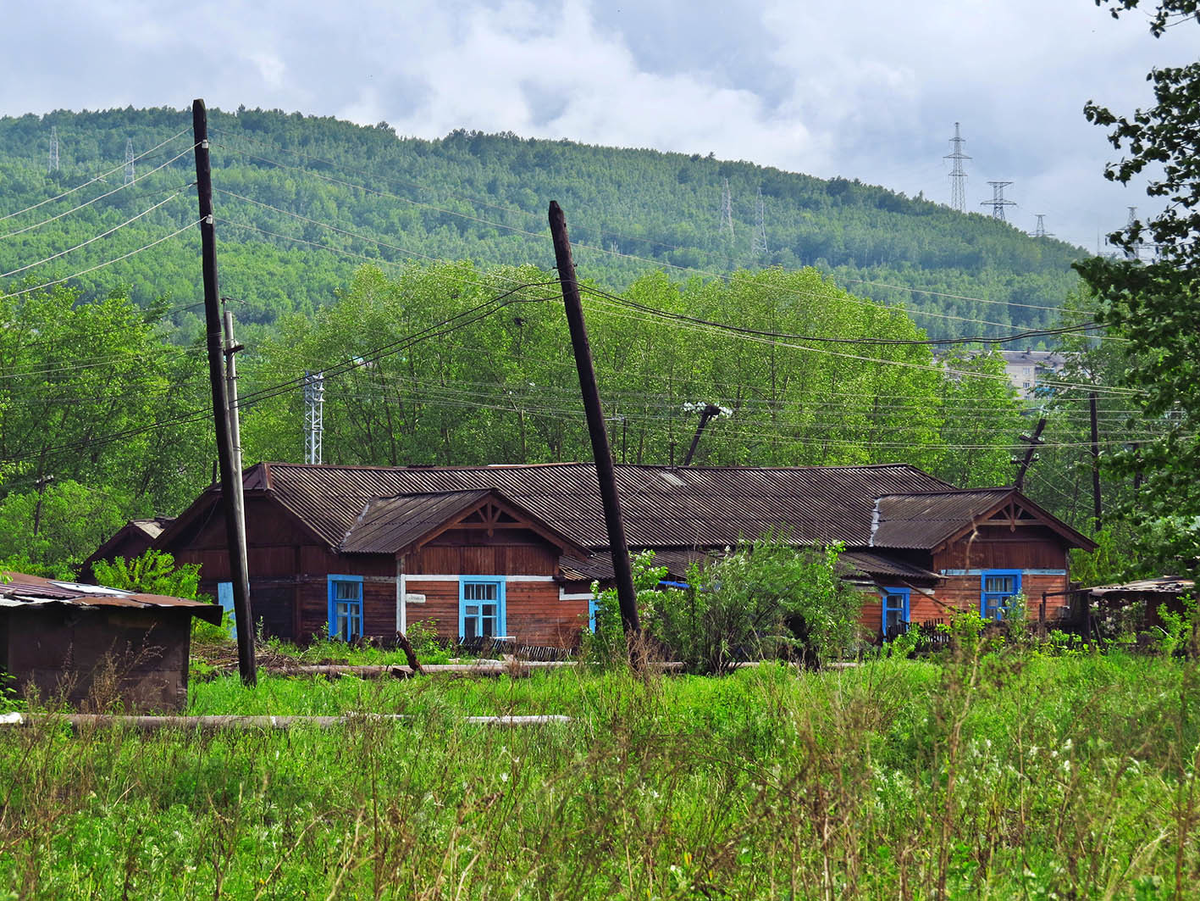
605 474
235 523
1033 441
1095 462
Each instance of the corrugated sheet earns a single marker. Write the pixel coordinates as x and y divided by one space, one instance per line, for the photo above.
880 566
600 567
922 521
678 562
1168 585
388 524
713 507
24 590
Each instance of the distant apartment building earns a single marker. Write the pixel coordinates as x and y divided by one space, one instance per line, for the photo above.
1027 369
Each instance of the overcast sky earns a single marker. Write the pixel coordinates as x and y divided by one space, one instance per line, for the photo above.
868 89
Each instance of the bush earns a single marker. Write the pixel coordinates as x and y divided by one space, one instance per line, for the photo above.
762 601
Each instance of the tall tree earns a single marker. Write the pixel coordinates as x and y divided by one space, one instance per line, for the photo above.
1156 306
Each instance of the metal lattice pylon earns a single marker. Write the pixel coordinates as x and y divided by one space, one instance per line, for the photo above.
758 247
998 203
314 415
53 148
727 210
129 175
958 175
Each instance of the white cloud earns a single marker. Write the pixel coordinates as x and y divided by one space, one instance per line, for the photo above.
863 88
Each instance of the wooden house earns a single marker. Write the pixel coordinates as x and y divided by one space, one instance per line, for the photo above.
512 551
89 644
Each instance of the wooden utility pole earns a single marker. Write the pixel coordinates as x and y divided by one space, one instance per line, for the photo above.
709 412
41 482
1033 441
1095 462
235 524
601 451
235 427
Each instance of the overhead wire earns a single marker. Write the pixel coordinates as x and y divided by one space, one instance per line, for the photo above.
644 317
92 181
88 203
95 238
124 256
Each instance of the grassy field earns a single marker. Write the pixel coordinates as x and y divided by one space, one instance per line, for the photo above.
995 776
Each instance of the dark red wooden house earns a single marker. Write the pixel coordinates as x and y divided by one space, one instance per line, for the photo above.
512 550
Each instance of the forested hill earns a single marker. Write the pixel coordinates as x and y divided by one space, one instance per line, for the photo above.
302 202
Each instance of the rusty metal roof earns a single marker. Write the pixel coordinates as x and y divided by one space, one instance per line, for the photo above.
1170 585
678 562
880 566
22 590
388 524
924 520
663 506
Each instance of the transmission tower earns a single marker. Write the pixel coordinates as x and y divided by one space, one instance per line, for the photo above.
314 415
129 161
727 210
1133 251
998 203
958 175
1039 230
53 148
758 246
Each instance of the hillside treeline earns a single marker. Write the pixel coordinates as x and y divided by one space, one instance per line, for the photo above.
302 202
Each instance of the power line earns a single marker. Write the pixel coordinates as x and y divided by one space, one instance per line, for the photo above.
920 366
1035 333
92 240
88 203
124 256
92 181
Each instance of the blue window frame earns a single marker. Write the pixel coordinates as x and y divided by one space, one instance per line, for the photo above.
345 607
995 588
225 599
481 611
895 608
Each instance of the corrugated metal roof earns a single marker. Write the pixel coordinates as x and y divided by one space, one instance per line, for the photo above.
1171 585
22 590
880 566
388 524
677 562
713 507
922 521
600 567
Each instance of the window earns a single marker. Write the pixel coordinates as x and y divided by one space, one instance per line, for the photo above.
998 586
895 610
345 607
481 608
593 609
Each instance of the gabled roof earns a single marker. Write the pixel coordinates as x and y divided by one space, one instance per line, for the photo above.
389 525
929 520
663 506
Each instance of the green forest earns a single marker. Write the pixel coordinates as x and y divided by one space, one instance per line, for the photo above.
302 201
416 276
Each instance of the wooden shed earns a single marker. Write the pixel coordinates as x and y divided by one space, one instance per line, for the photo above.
512 550
94 646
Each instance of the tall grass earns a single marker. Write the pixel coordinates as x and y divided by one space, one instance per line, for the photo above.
998 776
